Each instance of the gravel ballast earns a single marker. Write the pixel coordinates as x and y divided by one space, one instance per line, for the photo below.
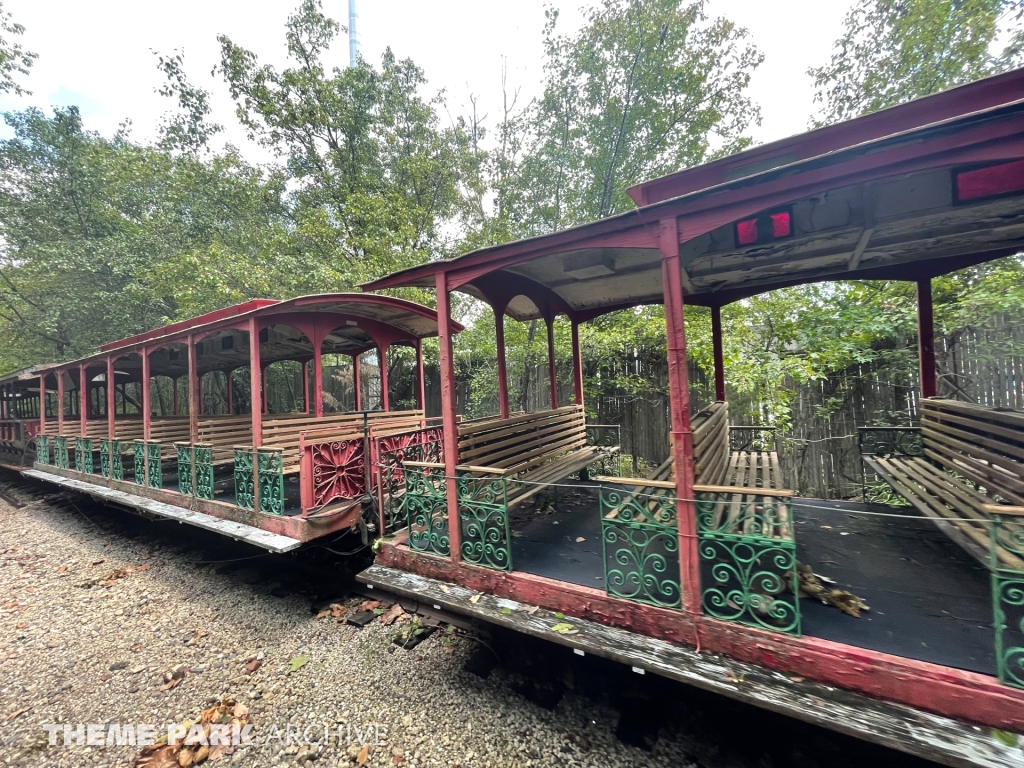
97 625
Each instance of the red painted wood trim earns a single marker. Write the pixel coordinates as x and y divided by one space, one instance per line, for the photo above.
577 363
111 426
926 338
255 385
448 422
679 403
499 343
719 353
193 390
955 693
60 402
421 378
552 377
382 361
357 381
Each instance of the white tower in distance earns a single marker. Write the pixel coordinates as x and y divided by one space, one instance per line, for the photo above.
353 35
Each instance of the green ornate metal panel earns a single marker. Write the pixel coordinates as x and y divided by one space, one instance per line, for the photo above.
1007 536
83 454
748 560
184 451
43 449
426 504
270 476
640 543
154 467
245 487
140 462
483 521
116 463
105 458
60 452
202 458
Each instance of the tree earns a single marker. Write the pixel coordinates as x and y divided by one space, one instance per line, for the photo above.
14 60
893 51
645 88
376 175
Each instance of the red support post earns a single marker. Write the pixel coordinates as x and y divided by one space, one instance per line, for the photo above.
255 383
499 338
60 402
193 392
147 395
305 387
111 422
421 378
382 360
679 400
357 382
552 378
42 403
926 338
318 381
577 363
451 440
719 353
83 399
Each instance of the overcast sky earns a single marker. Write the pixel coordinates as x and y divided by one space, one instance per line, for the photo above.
97 54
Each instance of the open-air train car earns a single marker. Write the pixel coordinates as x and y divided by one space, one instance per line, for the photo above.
19 417
692 572
183 421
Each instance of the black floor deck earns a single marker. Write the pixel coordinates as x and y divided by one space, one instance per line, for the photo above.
929 600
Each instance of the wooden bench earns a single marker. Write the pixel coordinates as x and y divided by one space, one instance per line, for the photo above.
535 449
721 474
971 464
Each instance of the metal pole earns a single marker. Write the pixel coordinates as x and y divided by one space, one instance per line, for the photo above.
719 354
451 441
499 337
552 379
577 363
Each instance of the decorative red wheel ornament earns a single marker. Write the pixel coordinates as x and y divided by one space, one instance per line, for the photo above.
339 471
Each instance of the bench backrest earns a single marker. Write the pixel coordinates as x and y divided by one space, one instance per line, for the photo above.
284 432
710 428
521 443
983 444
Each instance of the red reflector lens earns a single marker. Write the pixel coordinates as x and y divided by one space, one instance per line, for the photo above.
780 224
991 181
746 232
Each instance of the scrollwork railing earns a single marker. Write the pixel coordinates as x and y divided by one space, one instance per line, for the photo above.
154 465
483 520
748 559
139 456
43 449
83 455
426 508
389 453
245 478
270 476
60 452
184 451
640 541
1006 537
202 459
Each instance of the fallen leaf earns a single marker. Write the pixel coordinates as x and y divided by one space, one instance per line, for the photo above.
157 756
21 625
369 605
185 758
297 662
797 679
62 569
532 609
475 599
393 613
559 615
444 588
579 539
201 754
397 756
240 710
364 754
506 611
335 610
562 628
135 647
12 604
173 682
18 712
30 589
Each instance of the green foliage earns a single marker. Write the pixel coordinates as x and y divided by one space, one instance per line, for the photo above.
893 51
14 60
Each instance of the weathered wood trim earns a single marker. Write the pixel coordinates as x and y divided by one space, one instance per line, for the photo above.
896 726
955 693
